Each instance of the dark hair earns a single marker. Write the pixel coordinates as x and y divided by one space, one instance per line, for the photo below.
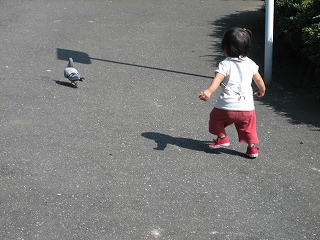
236 42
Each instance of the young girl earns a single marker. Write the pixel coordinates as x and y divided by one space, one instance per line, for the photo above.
235 104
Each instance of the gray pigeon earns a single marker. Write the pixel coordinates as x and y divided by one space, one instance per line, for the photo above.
72 74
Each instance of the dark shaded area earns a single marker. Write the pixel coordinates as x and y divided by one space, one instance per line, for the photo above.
300 106
253 20
162 140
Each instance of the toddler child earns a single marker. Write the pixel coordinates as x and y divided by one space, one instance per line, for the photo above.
235 104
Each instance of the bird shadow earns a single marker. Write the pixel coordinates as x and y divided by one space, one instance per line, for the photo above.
66 84
162 140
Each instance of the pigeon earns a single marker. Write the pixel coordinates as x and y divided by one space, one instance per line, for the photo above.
72 74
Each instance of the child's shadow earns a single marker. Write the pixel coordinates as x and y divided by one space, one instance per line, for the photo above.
162 140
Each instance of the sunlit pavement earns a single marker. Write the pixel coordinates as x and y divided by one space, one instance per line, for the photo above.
125 156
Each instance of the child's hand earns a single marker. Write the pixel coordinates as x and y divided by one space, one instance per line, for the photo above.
259 94
205 95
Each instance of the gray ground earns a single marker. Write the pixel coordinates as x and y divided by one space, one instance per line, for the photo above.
125 156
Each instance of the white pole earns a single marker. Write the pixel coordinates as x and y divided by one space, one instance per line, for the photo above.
268 45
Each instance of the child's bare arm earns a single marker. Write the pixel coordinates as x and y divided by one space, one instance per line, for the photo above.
217 80
260 84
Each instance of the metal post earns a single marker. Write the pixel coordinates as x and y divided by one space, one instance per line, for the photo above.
268 45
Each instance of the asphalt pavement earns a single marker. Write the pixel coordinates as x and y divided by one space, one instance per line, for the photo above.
125 156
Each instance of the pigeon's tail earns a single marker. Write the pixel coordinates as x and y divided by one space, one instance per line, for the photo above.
70 64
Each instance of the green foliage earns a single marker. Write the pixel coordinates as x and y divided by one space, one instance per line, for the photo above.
299 24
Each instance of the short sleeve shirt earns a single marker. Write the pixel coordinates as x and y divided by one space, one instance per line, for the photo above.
236 91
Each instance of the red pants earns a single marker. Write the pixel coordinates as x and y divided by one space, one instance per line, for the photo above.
244 121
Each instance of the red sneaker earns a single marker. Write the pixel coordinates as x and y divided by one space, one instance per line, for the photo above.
220 142
252 152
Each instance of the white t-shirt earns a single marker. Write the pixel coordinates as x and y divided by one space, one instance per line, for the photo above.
236 91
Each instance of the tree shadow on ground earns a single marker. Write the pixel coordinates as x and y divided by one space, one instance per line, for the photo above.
162 140
300 106
300 103
253 20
